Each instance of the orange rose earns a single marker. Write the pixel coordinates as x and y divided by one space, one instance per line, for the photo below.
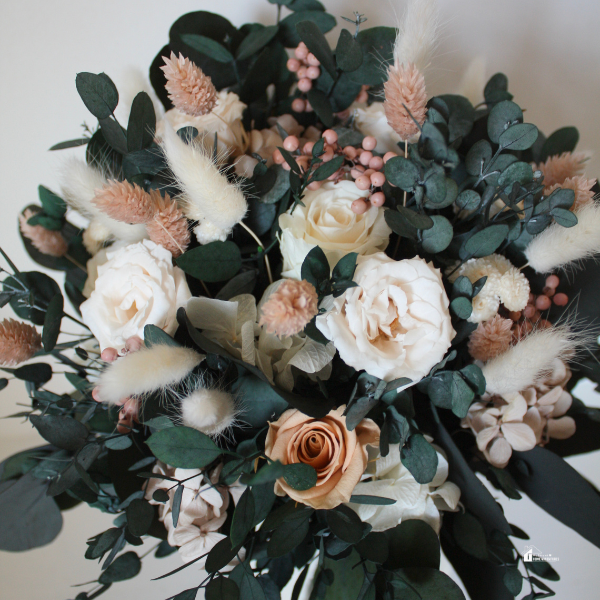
339 456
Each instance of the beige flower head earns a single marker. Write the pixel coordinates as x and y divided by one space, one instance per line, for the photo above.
51 243
581 185
191 91
490 338
168 227
405 95
18 342
290 308
124 202
560 167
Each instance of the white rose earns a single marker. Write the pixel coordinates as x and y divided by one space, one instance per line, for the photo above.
371 120
225 120
137 286
326 220
391 479
396 323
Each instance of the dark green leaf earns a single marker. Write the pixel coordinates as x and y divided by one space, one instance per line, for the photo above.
496 88
474 375
53 205
243 518
565 218
220 556
468 200
562 140
501 117
187 594
114 135
521 172
222 588
358 410
519 137
71 144
401 172
345 267
288 535
437 238
462 287
242 283
98 92
470 535
126 566
160 495
420 458
52 323
260 402
264 497
543 569
378 500
374 547
312 36
119 443
324 21
38 373
300 476
461 307
485 242
413 543
280 186
155 336
315 268
216 261
377 45
3 383
327 169
255 41
346 524
63 432
207 46
425 584
297 5
269 472
140 515
513 580
183 447
250 588
348 53
321 105
142 123
478 157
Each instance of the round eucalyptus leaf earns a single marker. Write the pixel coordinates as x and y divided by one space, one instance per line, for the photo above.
501 117
437 238
519 137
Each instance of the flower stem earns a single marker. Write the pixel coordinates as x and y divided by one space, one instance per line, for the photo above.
261 246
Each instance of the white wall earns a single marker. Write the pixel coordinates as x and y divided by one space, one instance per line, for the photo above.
548 49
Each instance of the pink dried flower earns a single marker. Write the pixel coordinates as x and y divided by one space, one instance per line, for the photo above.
580 185
169 227
18 342
405 95
125 202
290 308
190 90
490 338
560 167
47 242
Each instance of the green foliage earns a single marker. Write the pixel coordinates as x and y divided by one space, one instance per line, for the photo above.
420 458
216 261
98 92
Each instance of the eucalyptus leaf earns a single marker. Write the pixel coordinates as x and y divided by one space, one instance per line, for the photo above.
183 447
484 242
207 46
437 238
562 140
126 566
321 105
401 172
312 36
348 53
255 41
53 205
52 323
98 92
420 458
519 137
142 123
216 261
501 117
290 37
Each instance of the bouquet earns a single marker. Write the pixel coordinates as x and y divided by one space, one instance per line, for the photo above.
322 320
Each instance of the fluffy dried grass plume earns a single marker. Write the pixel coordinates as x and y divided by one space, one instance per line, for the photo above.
290 308
560 167
405 100
581 185
168 227
51 243
490 339
191 91
18 342
124 202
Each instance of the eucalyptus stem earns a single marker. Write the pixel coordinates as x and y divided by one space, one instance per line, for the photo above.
261 246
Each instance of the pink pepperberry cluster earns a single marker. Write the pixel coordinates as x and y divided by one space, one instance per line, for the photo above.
306 66
526 319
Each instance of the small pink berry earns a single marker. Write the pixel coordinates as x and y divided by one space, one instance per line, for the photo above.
301 51
293 64
308 147
365 158
303 162
529 311
315 185
133 344
552 281
350 152
531 298
543 324
308 108
388 155
376 163
369 172
377 199
363 182
561 299
335 175
543 302
312 60
278 157
96 394
357 172
548 291
301 73
359 206
313 72
109 355
331 137
369 143
327 156
365 86
362 97
377 179
291 143
305 85
299 105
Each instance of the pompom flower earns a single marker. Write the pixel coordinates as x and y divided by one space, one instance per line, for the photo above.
168 227
48 242
560 167
405 100
18 342
290 308
490 338
124 202
581 185
190 90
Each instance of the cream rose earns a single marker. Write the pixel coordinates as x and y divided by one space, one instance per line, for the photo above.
371 120
137 286
339 456
326 220
396 323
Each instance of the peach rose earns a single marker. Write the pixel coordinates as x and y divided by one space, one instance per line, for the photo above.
339 456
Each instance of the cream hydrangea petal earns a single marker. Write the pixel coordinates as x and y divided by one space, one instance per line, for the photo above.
562 428
520 436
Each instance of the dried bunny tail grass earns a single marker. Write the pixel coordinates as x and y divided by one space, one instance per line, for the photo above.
417 36
290 308
191 91
18 342
530 360
147 370
125 202
581 185
79 184
491 338
168 227
557 246
51 243
207 196
560 167
405 100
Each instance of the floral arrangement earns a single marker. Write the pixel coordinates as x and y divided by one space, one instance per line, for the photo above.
317 309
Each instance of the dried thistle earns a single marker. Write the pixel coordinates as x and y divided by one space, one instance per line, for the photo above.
490 339
405 100
51 243
191 91
560 167
580 185
18 342
290 308
124 202
169 227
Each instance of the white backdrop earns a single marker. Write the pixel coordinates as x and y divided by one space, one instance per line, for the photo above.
548 49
